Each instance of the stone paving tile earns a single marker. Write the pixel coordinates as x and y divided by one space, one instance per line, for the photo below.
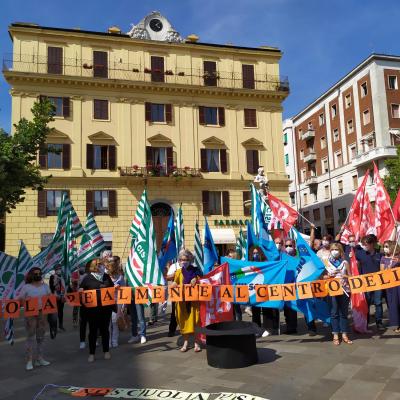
375 373
342 372
361 389
323 388
393 385
388 396
389 360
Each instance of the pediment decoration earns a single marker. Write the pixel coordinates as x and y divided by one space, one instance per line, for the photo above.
101 136
252 142
161 140
56 134
213 141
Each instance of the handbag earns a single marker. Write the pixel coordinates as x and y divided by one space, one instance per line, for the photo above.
123 321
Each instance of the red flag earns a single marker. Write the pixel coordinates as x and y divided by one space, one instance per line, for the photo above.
360 219
359 306
287 215
396 207
216 310
384 220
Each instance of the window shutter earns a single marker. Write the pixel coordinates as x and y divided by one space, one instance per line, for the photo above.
256 162
168 113
221 116
157 69
223 159
90 202
96 109
250 118
250 161
248 76
205 199
43 156
112 203
210 73
148 111
104 109
202 117
253 118
100 64
203 159
42 98
66 156
246 210
54 60
170 159
246 117
42 203
112 158
89 156
149 155
66 107
225 203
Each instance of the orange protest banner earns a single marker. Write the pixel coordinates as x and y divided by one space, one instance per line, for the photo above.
289 291
205 292
73 299
158 294
124 295
396 276
275 292
241 293
304 290
11 308
385 278
141 295
49 304
107 296
356 284
226 293
175 293
334 287
31 307
89 298
319 288
370 282
261 293
191 292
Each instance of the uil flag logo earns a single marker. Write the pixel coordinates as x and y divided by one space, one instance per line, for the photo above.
285 214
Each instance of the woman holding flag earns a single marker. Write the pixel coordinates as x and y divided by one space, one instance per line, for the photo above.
337 267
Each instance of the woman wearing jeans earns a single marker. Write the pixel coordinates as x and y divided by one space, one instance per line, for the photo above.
337 267
36 325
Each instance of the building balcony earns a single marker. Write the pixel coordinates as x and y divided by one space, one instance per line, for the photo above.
309 134
374 154
159 172
311 180
310 157
120 71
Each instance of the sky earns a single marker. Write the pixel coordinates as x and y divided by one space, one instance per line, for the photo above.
321 40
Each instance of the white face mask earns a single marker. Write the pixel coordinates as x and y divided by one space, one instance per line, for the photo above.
386 250
335 253
325 243
352 244
289 250
278 246
365 248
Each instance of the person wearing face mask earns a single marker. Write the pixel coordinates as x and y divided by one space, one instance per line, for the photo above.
369 261
391 259
57 287
279 244
36 325
187 312
337 267
98 317
323 253
290 247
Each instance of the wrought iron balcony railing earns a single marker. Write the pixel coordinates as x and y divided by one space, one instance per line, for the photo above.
118 70
149 171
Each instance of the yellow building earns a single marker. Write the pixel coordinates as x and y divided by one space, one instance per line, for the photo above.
190 121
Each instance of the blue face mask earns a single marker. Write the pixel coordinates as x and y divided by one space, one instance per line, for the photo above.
256 257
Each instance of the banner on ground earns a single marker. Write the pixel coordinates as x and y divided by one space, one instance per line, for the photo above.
253 292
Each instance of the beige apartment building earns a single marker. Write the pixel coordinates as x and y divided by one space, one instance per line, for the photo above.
190 121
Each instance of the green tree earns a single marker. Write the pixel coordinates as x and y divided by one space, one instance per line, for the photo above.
18 152
392 179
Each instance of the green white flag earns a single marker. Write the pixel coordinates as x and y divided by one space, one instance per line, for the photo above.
198 248
142 268
179 231
69 249
241 245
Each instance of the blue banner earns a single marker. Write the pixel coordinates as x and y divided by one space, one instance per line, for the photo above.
209 250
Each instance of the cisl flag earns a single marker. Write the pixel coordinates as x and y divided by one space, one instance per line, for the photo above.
285 214
384 220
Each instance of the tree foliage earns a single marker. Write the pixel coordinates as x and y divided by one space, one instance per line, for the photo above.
392 179
18 152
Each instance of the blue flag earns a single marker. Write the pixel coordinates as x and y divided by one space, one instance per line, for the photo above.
251 239
253 273
168 250
209 250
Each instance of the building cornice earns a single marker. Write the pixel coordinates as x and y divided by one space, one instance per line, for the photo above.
15 77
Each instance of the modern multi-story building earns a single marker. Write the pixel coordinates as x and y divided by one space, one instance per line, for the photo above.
334 140
189 121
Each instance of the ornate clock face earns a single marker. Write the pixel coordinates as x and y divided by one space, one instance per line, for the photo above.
156 25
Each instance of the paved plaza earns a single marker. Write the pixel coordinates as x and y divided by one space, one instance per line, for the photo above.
290 367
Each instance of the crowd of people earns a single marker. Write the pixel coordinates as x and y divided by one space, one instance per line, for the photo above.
105 322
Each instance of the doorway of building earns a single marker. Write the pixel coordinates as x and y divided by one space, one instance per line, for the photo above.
161 213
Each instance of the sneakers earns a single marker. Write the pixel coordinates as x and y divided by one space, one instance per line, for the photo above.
265 334
143 340
380 326
247 310
91 358
107 355
114 345
134 339
40 362
82 345
29 366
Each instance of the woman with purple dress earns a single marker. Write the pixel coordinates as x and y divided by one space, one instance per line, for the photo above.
391 259
187 312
